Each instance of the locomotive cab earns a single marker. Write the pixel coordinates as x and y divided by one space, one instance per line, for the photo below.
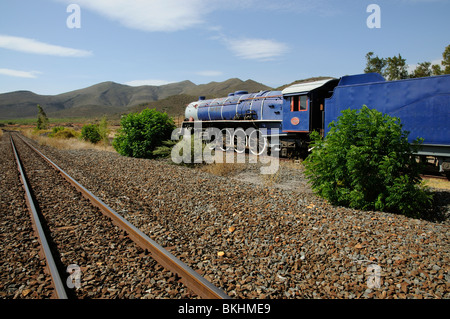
303 112
296 113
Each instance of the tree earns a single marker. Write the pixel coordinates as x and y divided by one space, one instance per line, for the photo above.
426 69
375 64
396 68
141 133
446 60
436 69
422 70
42 120
366 162
103 130
393 68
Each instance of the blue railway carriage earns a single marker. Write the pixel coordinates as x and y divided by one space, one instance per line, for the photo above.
422 104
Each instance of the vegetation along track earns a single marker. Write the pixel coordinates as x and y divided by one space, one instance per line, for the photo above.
108 256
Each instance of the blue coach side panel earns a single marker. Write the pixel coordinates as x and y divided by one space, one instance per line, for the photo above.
422 104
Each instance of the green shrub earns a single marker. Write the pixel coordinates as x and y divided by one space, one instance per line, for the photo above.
165 150
366 162
141 133
91 133
55 130
65 133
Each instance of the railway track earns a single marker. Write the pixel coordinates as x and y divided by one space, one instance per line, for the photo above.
90 250
435 176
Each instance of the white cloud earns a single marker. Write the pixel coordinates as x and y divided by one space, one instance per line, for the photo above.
147 82
19 74
154 15
175 15
33 46
257 49
209 73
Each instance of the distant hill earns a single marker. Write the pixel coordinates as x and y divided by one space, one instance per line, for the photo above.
111 98
114 99
220 89
99 99
175 105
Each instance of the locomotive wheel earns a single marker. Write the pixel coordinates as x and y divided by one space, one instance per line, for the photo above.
257 143
240 140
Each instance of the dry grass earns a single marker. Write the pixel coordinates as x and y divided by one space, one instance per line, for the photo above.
232 169
64 144
1 133
285 167
270 180
437 183
223 169
292 164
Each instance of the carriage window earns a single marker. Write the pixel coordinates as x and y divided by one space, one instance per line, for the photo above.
294 104
303 103
299 103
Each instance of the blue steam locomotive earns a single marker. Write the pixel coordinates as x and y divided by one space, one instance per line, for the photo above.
422 104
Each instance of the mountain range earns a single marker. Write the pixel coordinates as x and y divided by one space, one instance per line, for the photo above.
109 98
113 99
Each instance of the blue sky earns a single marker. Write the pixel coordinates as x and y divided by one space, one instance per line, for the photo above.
161 41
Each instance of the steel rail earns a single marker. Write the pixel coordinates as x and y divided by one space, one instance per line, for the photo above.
189 277
54 273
